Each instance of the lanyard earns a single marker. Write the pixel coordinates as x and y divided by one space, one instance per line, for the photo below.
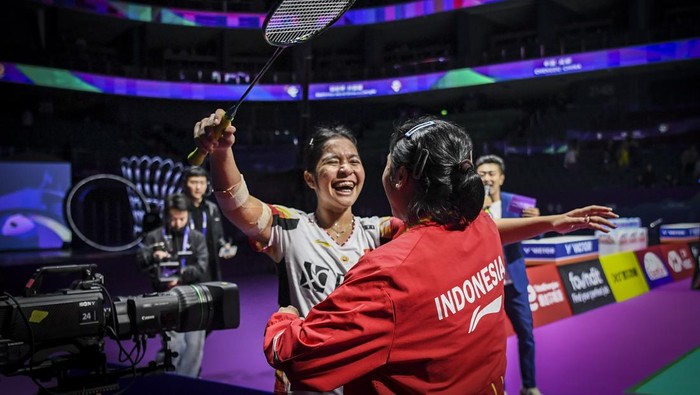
204 222
185 239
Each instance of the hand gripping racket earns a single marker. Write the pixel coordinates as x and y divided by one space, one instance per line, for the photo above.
289 23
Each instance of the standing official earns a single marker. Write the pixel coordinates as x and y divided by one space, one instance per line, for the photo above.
206 218
491 168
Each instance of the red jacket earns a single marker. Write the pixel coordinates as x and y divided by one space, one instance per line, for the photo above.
422 314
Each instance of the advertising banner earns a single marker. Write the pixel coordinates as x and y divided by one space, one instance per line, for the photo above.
651 260
547 295
695 250
628 236
586 285
679 259
680 233
624 275
560 250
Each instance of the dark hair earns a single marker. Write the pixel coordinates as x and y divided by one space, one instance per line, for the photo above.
313 150
493 159
437 153
176 201
195 171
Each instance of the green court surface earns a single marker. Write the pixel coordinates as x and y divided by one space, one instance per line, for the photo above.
680 377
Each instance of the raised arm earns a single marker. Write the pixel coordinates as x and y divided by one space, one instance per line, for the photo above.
246 212
513 230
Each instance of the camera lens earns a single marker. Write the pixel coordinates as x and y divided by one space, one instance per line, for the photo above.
196 307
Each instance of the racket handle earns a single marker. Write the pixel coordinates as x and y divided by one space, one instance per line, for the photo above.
196 157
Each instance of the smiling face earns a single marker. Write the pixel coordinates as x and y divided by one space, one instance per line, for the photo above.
338 176
492 175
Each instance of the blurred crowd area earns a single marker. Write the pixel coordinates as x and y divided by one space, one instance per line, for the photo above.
568 140
590 137
488 34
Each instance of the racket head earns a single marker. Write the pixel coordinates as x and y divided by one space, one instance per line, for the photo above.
292 22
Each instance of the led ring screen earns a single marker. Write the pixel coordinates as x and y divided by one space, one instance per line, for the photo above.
99 212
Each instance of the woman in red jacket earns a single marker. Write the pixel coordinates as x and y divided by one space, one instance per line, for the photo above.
424 313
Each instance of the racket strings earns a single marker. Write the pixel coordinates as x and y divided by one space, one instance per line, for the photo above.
298 20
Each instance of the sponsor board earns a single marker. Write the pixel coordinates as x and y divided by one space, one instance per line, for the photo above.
651 260
586 285
624 275
560 250
679 233
679 260
622 239
695 250
547 295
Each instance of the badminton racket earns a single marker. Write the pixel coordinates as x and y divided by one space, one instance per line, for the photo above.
289 23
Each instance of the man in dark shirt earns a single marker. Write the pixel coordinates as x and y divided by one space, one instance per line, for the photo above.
205 217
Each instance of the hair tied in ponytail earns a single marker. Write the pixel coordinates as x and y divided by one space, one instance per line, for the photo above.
465 165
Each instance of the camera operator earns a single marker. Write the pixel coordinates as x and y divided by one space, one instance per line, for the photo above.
174 254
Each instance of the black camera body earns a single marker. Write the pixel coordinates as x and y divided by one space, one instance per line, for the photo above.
74 313
73 322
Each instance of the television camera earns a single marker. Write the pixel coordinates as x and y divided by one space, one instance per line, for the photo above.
61 335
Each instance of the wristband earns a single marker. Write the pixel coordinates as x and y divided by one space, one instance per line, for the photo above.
234 196
256 228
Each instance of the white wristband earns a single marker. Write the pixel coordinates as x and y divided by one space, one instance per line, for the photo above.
260 225
233 197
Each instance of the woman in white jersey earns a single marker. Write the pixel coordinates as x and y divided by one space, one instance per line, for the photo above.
318 248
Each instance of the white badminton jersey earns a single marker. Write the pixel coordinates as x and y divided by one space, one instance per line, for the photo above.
314 263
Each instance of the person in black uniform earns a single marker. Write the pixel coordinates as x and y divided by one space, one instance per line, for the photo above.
205 217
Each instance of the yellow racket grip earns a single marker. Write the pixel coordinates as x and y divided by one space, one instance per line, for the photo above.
196 157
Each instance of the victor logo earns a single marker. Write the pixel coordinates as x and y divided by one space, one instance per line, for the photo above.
579 248
540 250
